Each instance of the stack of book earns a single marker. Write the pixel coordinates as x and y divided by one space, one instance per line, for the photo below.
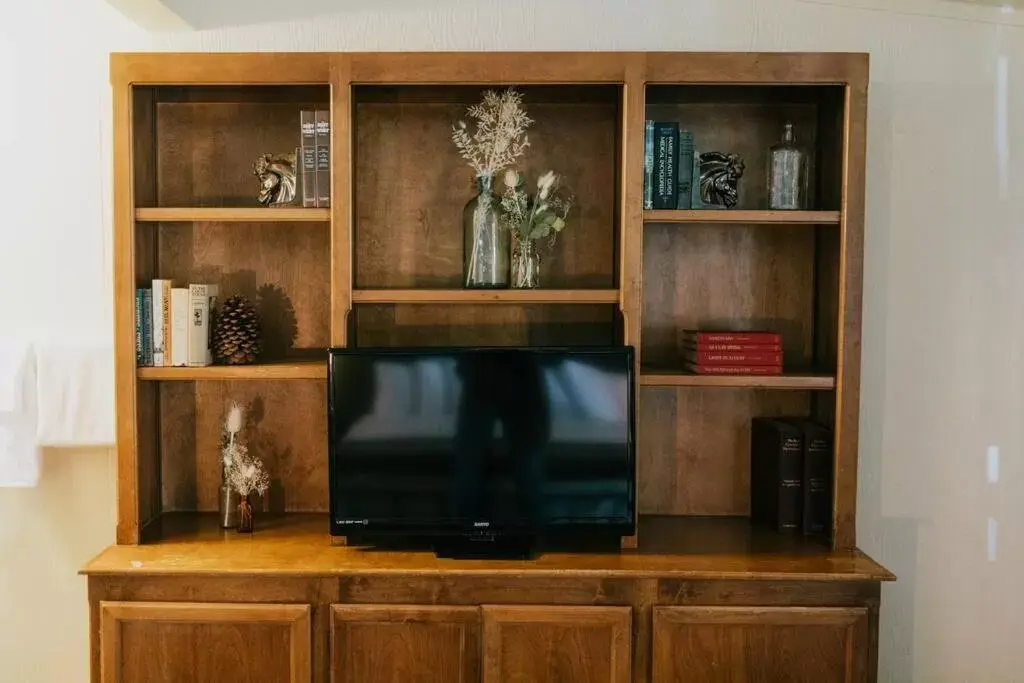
732 352
315 157
671 167
173 325
791 475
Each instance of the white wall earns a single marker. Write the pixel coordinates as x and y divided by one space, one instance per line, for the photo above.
943 327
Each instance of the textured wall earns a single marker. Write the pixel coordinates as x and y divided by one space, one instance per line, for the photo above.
943 323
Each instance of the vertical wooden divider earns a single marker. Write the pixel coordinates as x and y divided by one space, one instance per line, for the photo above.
631 226
128 511
851 276
341 197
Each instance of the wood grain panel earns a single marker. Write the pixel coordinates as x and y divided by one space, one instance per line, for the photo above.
207 149
341 198
486 296
284 270
204 643
305 369
286 427
549 644
260 214
741 217
488 67
256 68
760 645
738 278
405 644
745 129
394 142
694 458
484 325
782 68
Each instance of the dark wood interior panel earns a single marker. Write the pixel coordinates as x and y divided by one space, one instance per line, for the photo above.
144 146
283 268
694 447
398 137
748 120
826 316
206 150
286 427
732 277
484 325
147 402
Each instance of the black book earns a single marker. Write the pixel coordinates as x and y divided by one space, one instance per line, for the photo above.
666 163
776 474
818 458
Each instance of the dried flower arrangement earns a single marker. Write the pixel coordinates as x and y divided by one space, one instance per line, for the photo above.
244 473
500 136
538 216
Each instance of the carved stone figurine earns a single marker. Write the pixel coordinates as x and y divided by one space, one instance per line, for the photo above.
277 179
720 175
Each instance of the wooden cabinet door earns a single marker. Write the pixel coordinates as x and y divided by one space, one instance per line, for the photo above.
540 644
760 645
405 644
154 642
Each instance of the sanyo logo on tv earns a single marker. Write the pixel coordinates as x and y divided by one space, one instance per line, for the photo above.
481 525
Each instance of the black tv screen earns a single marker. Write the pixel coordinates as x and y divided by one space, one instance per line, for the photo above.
481 440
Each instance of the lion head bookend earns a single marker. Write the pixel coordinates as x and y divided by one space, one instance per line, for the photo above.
277 179
720 175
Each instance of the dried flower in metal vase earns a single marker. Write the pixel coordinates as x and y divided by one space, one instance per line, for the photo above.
499 139
530 219
248 477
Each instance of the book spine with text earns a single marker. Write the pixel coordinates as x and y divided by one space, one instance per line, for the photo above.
648 165
147 327
776 474
323 157
817 513
161 322
736 348
684 196
704 369
178 346
702 357
198 325
307 163
140 337
666 162
696 202
698 337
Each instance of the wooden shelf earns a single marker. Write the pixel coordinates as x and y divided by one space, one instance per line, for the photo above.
285 370
678 378
300 545
485 296
232 215
743 217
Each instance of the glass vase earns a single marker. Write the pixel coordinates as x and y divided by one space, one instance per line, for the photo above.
227 503
485 241
525 265
787 174
244 515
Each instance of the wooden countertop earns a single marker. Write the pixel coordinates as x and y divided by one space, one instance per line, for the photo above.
300 545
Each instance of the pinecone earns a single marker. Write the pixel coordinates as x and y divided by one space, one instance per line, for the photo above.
236 333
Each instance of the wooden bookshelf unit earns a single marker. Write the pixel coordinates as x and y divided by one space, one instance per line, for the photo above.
699 594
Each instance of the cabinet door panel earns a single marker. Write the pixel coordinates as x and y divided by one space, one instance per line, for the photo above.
540 644
151 642
760 645
405 644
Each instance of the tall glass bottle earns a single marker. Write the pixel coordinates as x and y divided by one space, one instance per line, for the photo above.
485 241
787 173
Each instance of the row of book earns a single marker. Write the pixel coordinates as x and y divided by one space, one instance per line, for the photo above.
174 325
791 475
671 167
315 157
716 352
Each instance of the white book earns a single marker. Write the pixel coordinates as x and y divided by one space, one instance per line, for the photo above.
200 302
179 327
161 322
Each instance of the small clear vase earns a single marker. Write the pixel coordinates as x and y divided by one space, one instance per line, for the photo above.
485 240
525 265
227 503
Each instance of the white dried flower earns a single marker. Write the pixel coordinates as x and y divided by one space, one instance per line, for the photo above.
246 473
233 423
546 181
500 136
511 178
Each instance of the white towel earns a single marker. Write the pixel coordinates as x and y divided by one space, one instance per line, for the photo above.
19 452
75 394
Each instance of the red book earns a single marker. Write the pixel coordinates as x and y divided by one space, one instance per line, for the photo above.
734 369
737 337
734 348
700 357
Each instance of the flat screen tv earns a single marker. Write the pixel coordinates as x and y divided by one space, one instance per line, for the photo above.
481 443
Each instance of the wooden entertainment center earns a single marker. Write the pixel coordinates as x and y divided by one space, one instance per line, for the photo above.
698 595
